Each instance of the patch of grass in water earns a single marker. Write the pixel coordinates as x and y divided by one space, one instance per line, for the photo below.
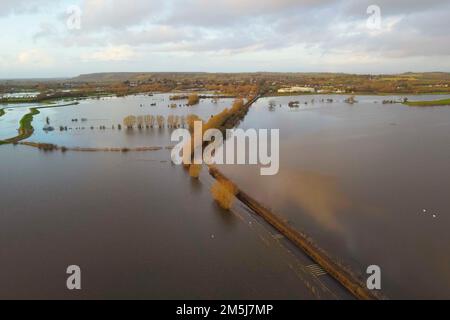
431 103
25 128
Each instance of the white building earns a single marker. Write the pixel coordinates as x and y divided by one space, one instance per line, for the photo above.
297 89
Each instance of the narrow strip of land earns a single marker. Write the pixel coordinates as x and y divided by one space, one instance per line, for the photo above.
430 103
25 128
54 147
25 124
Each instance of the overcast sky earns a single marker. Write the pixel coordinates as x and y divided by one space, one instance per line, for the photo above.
44 38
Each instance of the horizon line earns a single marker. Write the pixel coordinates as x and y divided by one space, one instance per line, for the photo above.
220 72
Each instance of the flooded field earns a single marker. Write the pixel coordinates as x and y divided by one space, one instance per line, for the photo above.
137 225
110 112
368 182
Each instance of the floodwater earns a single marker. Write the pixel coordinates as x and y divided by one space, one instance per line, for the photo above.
9 122
110 112
368 182
137 226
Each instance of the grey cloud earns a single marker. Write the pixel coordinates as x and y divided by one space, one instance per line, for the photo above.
46 30
22 6
236 12
155 35
116 14
236 26
390 7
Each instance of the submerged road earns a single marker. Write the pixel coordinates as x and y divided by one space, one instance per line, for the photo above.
317 283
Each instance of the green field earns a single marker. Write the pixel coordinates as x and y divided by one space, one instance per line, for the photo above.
432 103
25 129
25 124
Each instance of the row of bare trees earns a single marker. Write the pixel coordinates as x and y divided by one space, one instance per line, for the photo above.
158 121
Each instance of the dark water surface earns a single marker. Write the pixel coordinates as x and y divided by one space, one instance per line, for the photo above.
357 178
137 226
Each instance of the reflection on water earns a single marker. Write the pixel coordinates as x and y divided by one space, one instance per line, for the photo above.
110 112
315 193
357 179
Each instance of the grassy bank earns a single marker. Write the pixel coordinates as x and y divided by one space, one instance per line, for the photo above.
25 122
25 127
56 97
2 112
431 103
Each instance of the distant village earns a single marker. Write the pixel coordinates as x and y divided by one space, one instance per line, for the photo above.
298 89
234 84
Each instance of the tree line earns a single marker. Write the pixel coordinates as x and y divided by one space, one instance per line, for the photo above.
159 121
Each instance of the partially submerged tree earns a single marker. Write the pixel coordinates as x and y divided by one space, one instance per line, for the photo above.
182 121
177 120
149 121
194 170
160 121
140 122
237 105
224 193
272 105
193 99
190 120
170 121
129 122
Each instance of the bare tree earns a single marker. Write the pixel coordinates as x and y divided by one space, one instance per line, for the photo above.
129 122
140 122
161 121
149 121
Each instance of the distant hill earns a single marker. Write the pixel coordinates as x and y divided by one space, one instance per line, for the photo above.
31 81
109 77
253 77
131 76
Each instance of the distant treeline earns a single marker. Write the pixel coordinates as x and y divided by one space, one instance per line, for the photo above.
234 84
